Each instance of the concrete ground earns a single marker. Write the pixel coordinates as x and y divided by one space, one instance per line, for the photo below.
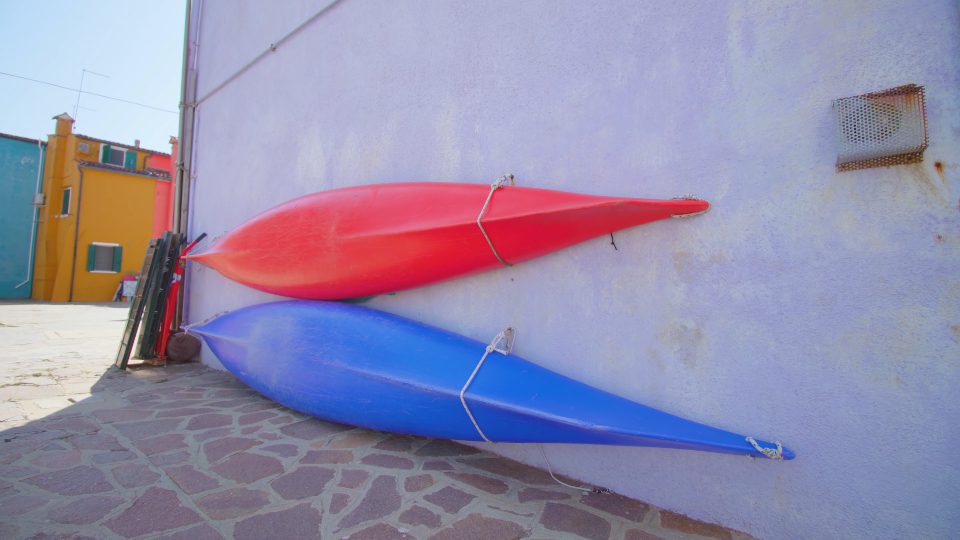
183 451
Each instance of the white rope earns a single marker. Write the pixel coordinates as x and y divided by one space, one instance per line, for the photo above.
772 453
503 180
688 197
188 327
506 337
562 483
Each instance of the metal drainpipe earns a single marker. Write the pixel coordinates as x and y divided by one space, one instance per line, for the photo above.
181 186
76 236
186 126
36 218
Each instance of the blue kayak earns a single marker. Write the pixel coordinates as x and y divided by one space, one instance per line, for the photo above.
354 365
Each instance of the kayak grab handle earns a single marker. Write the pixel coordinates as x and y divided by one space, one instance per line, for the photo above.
501 343
503 180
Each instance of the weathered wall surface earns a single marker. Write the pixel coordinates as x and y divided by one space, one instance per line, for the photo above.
811 306
21 162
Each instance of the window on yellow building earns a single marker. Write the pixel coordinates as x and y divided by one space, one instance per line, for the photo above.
65 201
104 257
116 155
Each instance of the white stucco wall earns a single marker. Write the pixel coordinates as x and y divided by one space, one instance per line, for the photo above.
815 307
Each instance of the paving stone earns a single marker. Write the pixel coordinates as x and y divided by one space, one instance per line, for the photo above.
395 443
326 457
258 406
684 524
301 521
230 393
184 411
480 481
220 448
478 527
74 425
109 416
387 461
436 465
173 458
85 510
311 429
246 468
147 429
356 439
615 504
352 478
282 450
199 532
418 482
638 534
131 475
254 417
156 510
212 434
15 472
568 519
451 499
534 494
80 480
233 503
112 456
302 482
96 441
60 536
511 469
190 479
161 444
445 448
418 515
18 505
338 502
9 530
380 500
380 531
282 420
57 460
207 421
228 403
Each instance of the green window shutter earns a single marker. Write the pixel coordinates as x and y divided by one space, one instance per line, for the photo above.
130 160
91 257
65 203
117 258
104 153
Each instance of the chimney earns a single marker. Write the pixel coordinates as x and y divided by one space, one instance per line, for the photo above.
64 124
136 143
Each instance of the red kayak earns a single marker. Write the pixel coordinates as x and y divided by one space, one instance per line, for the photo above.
368 240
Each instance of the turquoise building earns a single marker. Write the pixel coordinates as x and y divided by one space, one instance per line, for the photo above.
21 170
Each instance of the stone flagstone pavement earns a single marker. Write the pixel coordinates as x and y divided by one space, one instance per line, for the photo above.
186 452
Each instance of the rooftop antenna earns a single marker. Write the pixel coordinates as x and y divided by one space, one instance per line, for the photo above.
83 75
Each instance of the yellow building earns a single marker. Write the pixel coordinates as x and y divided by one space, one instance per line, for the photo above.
103 203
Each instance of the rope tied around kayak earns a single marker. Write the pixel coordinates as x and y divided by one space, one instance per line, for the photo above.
688 197
772 453
188 327
502 181
501 343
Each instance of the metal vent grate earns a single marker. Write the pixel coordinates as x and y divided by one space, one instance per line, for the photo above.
881 129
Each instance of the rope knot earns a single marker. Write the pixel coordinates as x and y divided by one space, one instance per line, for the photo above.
772 453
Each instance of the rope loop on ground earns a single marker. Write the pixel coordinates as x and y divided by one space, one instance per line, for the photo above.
501 343
772 453
504 180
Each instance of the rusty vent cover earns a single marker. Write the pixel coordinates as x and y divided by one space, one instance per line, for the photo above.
881 129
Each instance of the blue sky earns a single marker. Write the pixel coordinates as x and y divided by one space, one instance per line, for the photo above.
138 44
